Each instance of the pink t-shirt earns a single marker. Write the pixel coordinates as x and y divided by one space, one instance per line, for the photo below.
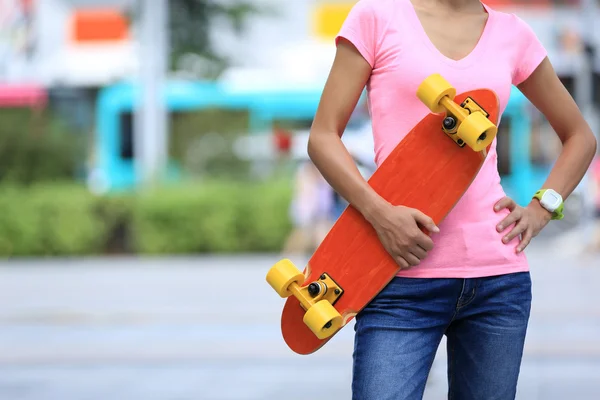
391 38
596 178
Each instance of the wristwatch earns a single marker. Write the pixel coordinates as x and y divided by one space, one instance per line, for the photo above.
551 201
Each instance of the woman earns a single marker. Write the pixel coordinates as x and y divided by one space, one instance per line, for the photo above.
470 279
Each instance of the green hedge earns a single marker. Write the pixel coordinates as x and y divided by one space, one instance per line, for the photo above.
213 217
216 217
46 220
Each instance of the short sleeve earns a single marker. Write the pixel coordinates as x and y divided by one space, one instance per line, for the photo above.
531 52
360 29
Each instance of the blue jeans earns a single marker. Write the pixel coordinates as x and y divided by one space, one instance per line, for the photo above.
398 333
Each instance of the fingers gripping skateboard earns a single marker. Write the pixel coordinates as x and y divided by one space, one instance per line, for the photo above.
317 298
466 123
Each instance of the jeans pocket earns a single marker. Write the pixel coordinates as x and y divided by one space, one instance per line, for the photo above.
508 297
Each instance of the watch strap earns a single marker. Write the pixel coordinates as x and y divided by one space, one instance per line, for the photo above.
558 214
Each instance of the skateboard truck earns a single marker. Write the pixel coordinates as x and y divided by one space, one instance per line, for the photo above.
450 123
317 298
467 123
324 288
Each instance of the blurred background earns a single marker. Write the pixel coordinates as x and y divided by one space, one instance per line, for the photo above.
153 167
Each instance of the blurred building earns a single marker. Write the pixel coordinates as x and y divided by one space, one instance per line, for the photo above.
92 43
83 44
68 47
306 23
68 50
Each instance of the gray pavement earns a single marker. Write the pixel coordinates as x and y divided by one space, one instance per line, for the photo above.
207 328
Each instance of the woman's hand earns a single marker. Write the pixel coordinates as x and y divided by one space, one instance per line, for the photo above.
528 221
400 230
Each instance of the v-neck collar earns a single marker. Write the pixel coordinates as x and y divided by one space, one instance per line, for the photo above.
469 58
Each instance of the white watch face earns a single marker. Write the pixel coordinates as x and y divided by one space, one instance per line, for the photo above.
551 200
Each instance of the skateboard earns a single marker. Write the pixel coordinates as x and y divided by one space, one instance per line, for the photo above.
430 170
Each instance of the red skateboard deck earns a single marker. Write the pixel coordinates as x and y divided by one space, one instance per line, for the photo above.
428 171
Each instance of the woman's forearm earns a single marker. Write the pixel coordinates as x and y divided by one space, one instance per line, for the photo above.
332 159
577 154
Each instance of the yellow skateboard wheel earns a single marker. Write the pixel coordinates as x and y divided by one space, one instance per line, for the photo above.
432 90
477 131
323 319
282 275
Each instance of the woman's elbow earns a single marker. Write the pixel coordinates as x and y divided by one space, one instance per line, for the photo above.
316 142
311 147
594 143
586 142
591 143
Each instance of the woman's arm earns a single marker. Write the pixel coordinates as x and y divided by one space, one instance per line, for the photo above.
397 227
347 79
547 93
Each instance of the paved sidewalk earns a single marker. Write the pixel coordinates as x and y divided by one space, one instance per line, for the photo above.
207 328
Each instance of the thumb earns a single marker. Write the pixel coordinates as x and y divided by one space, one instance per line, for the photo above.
425 221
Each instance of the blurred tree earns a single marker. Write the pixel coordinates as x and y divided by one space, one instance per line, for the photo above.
190 23
37 146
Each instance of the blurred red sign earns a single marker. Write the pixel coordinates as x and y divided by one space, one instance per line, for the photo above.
99 25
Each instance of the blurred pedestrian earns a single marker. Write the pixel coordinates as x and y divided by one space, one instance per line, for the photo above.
310 210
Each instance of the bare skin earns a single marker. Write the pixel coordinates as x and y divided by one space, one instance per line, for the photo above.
398 227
